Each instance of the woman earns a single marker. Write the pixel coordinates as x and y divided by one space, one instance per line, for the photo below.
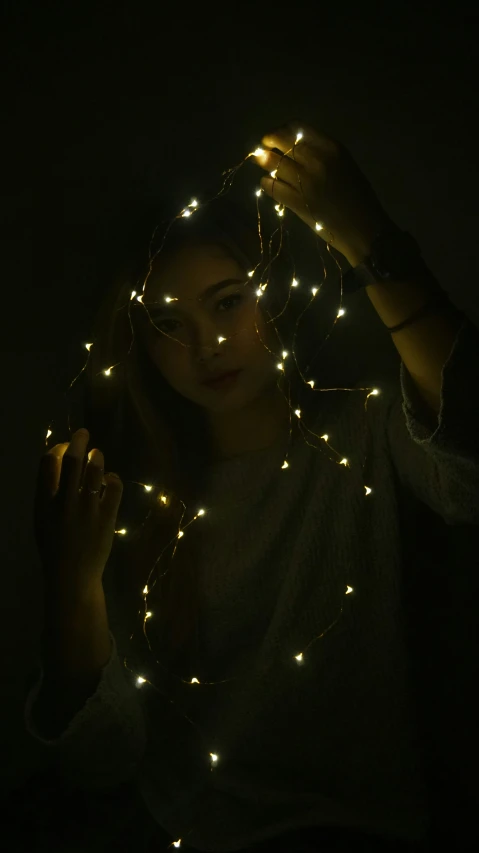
243 656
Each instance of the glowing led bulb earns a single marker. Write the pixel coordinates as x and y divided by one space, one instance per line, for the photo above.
214 758
147 488
194 681
121 532
280 366
299 136
348 589
140 680
368 490
163 499
340 312
186 213
220 339
49 432
285 354
88 347
180 534
344 462
375 392
193 203
299 658
148 614
168 299
273 173
251 273
319 227
258 152
177 843
258 192
314 290
201 512
145 590
140 298
297 412
325 437
311 382
279 210
259 292
295 282
285 464
133 294
107 371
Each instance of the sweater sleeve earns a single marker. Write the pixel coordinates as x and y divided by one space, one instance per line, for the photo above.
105 741
437 457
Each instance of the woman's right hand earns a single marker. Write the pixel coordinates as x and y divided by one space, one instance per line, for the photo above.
74 529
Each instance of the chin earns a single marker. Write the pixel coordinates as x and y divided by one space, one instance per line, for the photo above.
248 389
236 400
227 406
228 403
231 401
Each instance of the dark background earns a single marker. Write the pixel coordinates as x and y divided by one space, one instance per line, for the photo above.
108 105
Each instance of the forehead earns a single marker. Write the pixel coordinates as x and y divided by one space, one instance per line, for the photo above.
190 270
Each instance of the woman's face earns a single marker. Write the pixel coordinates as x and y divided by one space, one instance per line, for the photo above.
186 348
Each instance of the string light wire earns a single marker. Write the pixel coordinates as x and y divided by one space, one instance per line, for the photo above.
213 758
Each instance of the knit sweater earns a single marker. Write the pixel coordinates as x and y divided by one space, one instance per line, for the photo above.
305 694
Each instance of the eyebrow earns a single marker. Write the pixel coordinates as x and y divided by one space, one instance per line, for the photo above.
160 307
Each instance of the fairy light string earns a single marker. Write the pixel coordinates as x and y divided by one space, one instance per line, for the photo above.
213 757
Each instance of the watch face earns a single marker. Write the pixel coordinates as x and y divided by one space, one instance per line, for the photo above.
395 254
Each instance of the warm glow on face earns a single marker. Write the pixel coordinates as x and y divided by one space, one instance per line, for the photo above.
194 326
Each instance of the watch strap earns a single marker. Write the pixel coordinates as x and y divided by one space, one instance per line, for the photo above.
369 271
357 278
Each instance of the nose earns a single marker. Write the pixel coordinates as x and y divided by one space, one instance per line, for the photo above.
206 344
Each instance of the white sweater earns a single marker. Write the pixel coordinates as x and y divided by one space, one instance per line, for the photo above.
292 555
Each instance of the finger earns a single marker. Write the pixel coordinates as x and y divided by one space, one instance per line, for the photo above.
288 196
72 465
283 168
299 137
55 455
47 482
92 478
111 498
285 139
281 192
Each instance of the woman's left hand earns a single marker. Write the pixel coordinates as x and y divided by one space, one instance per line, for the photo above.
318 180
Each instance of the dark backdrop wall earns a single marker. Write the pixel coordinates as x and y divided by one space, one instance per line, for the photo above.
106 107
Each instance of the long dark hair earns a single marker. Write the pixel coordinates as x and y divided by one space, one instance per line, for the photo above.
150 435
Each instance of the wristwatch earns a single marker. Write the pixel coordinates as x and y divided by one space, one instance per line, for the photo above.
395 256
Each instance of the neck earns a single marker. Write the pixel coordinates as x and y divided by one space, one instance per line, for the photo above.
255 427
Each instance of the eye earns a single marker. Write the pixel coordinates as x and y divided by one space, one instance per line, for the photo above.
235 298
160 324
169 325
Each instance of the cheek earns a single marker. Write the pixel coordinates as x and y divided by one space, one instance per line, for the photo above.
171 359
262 337
252 340
256 350
251 322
